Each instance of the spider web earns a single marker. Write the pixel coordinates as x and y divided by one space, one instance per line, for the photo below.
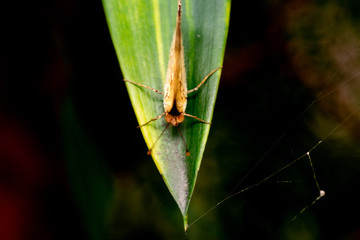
331 118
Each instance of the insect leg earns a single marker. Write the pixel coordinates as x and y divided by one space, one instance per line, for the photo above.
205 78
188 115
163 114
142 85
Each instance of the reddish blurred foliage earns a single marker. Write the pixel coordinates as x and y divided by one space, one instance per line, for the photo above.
22 177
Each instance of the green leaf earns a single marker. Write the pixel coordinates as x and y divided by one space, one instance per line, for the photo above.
89 176
142 31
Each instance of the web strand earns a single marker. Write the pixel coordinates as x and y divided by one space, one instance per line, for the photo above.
307 154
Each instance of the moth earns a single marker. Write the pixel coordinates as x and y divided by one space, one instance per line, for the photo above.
175 89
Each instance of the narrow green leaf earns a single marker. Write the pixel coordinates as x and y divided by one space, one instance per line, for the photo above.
142 31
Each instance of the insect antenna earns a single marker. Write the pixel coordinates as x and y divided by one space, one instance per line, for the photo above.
182 137
149 152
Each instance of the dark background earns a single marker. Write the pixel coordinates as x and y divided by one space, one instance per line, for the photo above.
74 166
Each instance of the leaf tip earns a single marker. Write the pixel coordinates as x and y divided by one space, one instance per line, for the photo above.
185 219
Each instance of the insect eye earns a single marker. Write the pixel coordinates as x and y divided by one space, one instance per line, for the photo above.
180 118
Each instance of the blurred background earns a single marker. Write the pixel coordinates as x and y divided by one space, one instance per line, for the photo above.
73 165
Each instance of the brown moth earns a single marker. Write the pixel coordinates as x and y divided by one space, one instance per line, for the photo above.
175 89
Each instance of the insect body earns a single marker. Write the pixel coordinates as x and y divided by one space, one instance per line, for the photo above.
175 89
